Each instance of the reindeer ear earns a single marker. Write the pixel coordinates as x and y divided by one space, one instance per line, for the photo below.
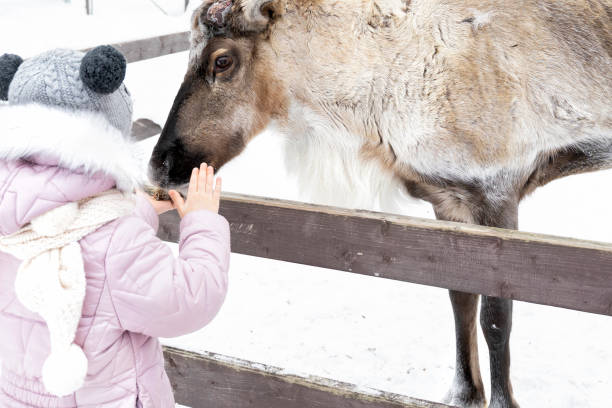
255 15
9 64
103 69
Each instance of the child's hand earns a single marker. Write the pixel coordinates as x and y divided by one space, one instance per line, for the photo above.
201 195
159 206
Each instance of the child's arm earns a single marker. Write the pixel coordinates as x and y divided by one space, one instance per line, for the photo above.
150 209
155 293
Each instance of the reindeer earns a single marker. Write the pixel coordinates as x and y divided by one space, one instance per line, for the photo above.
469 105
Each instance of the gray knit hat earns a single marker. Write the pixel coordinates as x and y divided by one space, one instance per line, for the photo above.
71 80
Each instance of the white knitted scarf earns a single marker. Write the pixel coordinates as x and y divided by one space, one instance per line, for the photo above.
51 279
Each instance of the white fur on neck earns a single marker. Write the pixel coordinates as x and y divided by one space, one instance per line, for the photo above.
81 141
330 170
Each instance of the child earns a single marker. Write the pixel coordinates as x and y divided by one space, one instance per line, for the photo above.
85 284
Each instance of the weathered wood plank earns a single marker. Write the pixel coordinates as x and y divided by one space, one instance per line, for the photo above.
211 380
144 128
534 268
153 47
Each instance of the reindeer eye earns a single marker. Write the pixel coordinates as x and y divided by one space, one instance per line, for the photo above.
222 63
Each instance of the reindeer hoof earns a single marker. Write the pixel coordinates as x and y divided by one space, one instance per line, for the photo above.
465 396
503 403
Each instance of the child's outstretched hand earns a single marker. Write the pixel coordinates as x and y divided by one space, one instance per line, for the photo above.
160 206
201 194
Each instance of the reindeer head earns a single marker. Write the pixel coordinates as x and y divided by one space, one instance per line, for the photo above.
229 93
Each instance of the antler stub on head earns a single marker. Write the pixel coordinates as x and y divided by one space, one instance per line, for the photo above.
217 13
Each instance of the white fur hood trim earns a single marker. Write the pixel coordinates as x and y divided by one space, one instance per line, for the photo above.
80 141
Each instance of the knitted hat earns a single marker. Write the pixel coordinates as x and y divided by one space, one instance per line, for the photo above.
71 80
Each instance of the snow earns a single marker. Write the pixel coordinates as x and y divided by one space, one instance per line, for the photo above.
371 332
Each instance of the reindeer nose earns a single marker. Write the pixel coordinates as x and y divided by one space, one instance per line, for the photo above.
166 165
159 169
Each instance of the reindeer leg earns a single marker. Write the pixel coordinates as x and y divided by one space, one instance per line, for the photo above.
471 204
467 389
496 320
496 323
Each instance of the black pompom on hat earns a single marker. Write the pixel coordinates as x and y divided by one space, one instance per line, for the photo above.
103 69
9 64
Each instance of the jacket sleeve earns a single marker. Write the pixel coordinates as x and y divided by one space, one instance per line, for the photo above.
144 211
158 294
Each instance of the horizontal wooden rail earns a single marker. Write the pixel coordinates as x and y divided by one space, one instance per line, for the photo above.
535 268
153 47
211 380
144 129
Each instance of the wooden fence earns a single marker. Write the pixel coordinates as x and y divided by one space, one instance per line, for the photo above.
535 268
89 6
153 47
214 381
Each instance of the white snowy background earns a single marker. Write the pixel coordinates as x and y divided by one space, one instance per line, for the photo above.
372 332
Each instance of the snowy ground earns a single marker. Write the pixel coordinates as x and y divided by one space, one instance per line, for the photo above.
373 332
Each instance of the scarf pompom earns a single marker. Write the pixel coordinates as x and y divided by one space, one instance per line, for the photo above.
64 371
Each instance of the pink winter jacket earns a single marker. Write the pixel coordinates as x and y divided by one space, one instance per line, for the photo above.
137 290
